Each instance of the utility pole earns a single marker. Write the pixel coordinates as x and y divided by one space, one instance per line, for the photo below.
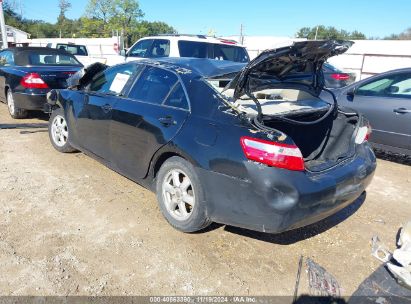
4 44
316 33
241 34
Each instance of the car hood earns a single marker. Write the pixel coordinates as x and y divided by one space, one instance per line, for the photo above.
298 66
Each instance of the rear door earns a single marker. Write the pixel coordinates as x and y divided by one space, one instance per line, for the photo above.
153 113
94 118
386 102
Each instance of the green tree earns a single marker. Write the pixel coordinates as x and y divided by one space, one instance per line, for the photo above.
405 35
92 28
146 28
99 12
321 32
64 6
125 17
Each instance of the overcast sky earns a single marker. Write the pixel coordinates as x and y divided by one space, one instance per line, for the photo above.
376 18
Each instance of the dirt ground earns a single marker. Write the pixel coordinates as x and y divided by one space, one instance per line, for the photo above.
70 226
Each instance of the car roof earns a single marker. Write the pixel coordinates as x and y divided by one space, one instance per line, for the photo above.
27 48
207 68
198 38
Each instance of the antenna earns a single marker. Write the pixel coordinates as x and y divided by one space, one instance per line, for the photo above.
241 34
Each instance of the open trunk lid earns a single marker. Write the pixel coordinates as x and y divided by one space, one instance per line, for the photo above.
298 66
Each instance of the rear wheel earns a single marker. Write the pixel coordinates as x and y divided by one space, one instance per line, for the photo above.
181 196
58 132
15 112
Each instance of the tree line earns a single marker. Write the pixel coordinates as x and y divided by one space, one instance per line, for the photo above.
330 32
102 18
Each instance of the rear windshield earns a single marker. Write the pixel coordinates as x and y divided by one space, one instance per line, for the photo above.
74 49
198 49
46 57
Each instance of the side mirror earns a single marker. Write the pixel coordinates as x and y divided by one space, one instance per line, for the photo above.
123 53
351 94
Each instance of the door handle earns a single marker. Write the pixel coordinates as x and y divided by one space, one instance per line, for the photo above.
402 111
167 121
107 108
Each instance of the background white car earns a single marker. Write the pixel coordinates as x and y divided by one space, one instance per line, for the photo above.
195 46
79 51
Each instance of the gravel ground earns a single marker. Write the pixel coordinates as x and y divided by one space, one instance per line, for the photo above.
70 226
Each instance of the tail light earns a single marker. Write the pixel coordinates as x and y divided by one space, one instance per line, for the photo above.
273 153
33 81
340 76
363 134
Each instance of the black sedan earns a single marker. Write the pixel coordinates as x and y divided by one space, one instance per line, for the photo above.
385 99
27 74
265 153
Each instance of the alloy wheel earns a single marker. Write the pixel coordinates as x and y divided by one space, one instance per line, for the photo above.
10 103
178 193
59 131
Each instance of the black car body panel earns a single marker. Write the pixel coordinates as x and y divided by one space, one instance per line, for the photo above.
11 74
134 138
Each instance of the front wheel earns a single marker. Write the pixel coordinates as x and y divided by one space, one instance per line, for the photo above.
58 132
15 112
181 196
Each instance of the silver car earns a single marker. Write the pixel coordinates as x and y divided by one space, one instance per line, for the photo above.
385 99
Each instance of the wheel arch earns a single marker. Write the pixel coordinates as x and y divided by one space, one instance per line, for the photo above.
163 155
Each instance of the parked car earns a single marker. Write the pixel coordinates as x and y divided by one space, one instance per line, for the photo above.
385 99
27 74
280 162
194 46
80 51
335 78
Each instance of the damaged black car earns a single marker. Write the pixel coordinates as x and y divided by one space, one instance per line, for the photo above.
246 145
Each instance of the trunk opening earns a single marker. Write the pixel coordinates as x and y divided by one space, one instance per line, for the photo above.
324 144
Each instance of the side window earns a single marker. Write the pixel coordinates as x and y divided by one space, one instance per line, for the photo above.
177 98
82 51
194 49
113 80
141 48
160 48
398 85
62 47
153 86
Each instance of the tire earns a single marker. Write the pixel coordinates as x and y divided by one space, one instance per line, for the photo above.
178 187
15 112
58 132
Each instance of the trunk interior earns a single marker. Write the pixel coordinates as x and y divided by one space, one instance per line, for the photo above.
324 144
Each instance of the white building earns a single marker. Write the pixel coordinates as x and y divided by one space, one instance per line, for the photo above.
16 36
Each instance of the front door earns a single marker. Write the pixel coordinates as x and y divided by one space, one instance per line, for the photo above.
386 102
94 118
151 115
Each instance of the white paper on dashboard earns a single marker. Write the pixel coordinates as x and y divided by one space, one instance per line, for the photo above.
119 82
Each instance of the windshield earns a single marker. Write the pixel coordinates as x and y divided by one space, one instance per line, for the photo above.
197 49
46 57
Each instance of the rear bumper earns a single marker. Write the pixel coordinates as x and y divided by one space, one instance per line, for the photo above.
275 200
29 101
